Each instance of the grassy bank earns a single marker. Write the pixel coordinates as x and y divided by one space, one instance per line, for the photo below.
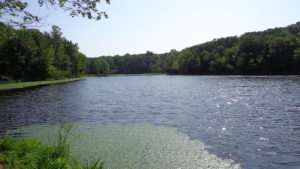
31 153
19 85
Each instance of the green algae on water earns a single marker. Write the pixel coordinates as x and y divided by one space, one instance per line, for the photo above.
133 146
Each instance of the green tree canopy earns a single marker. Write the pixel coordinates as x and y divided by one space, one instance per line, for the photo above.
274 51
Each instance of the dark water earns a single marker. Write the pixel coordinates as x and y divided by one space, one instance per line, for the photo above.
253 120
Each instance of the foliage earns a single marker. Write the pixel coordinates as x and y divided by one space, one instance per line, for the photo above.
15 13
28 54
30 153
274 51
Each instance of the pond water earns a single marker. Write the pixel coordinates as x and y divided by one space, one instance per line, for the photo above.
253 120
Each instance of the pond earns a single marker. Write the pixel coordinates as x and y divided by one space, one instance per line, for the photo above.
253 120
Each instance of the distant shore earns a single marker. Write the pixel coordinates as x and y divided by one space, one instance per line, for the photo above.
20 85
135 74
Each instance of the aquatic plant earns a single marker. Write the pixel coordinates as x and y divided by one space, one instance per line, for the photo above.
132 147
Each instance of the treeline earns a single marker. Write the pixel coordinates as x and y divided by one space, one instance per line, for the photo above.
274 51
28 54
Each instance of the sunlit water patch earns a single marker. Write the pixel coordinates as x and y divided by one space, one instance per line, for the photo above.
133 146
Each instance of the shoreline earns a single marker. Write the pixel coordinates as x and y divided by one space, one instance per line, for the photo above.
21 85
204 75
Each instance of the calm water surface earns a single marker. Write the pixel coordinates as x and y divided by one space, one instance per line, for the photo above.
253 120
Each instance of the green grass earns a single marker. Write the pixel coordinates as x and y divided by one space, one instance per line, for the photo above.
19 85
30 153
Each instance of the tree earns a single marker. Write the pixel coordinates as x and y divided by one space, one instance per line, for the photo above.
296 58
104 67
14 12
28 54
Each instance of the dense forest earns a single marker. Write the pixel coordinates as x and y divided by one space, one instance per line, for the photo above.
28 54
274 51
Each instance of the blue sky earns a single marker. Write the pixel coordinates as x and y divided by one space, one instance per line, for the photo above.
137 26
